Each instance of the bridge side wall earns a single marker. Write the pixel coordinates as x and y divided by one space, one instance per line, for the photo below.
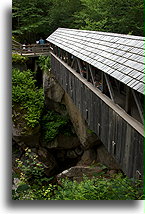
119 137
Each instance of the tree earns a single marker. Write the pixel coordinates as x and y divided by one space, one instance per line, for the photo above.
32 19
118 16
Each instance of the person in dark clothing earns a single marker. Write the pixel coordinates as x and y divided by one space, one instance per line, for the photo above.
41 41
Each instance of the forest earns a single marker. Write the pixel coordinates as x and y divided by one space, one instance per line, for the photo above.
35 167
34 19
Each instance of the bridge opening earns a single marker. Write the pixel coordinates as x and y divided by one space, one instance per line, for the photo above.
121 94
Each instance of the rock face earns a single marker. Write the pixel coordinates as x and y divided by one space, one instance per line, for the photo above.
49 160
52 89
25 138
55 98
77 152
21 67
53 94
92 149
88 158
28 140
77 173
105 158
62 142
86 138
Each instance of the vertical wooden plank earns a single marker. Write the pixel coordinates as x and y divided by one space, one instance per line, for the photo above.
121 139
86 103
83 94
127 150
110 131
74 88
77 93
81 97
128 100
91 111
136 158
140 159
98 115
89 106
94 120
65 80
113 134
104 123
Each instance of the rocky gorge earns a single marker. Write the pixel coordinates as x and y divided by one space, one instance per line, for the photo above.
74 151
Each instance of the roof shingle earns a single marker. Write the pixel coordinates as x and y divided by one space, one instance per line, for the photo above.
119 55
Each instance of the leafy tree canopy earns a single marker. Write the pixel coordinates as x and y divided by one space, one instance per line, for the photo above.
33 19
118 16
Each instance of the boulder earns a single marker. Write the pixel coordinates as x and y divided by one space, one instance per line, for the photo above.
74 153
49 160
57 99
87 138
19 66
21 133
62 142
105 158
29 138
78 172
89 157
52 89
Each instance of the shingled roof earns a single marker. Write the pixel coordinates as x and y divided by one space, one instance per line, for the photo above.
119 55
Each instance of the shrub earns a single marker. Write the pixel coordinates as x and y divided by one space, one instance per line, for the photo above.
16 58
53 124
34 185
30 185
29 98
100 188
44 63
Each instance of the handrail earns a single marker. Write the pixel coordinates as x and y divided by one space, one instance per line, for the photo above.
30 49
13 41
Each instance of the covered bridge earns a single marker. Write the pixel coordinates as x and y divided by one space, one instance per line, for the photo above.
103 74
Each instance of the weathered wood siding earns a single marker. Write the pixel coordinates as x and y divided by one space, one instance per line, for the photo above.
119 137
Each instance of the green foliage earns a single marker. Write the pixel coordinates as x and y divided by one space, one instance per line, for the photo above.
16 58
53 124
116 188
33 184
32 19
44 63
26 95
31 169
118 16
89 131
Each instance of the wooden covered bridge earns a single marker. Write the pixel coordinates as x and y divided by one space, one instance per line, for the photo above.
103 74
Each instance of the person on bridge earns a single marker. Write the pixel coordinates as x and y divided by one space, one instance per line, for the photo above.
41 41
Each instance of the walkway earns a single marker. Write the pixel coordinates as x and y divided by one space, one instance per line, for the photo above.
32 50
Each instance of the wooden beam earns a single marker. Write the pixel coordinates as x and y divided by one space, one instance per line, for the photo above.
117 84
128 100
103 82
109 87
72 62
139 106
80 67
88 73
91 72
